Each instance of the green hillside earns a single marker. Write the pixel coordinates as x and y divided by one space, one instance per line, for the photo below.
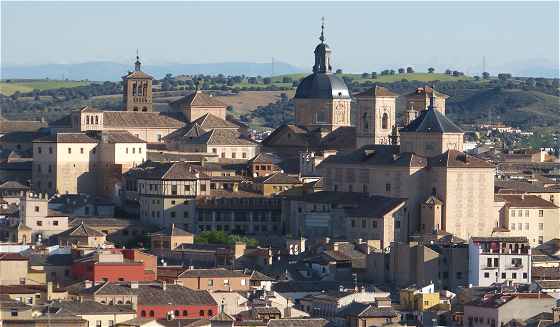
9 87
420 77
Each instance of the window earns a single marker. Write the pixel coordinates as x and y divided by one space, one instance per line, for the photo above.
50 150
82 150
512 226
36 208
39 223
187 188
203 187
176 313
388 187
210 282
226 282
159 137
520 226
526 226
353 223
513 213
374 224
223 154
363 223
210 313
488 262
186 214
126 150
133 150
244 155
69 150
459 275
174 189
151 313
139 150
541 226
364 188
541 240
55 222
172 214
233 155
385 121
185 313
541 213
39 149
13 313
525 275
486 275
98 323
201 313
514 275
504 275
526 213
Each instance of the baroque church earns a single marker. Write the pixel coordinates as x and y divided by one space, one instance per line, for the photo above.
447 191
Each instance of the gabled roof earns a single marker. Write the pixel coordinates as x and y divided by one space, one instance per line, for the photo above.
458 159
527 201
172 231
366 310
378 155
432 199
376 91
124 119
279 178
222 316
220 137
7 126
298 322
90 109
199 99
431 121
81 230
66 138
215 272
258 276
190 131
13 185
12 257
209 121
120 137
137 74
164 170
266 158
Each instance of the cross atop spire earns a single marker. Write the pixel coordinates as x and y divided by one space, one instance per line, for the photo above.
322 37
137 64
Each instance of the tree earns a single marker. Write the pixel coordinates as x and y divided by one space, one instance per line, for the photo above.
485 75
448 72
504 76
392 72
431 70
365 75
556 83
409 70
477 78
287 79
401 70
267 80
252 80
373 75
339 71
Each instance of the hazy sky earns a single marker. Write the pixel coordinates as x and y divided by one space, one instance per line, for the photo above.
364 36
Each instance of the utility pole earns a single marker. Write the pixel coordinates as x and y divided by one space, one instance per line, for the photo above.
272 68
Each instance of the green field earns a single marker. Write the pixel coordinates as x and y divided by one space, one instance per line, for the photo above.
9 88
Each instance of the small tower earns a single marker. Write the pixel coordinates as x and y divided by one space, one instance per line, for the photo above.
137 89
376 116
431 215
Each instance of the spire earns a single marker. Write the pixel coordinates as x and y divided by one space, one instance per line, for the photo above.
322 37
432 99
322 53
137 64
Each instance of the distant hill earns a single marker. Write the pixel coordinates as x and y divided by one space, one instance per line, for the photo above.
112 71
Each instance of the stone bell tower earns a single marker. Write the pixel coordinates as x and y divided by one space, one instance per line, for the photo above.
137 89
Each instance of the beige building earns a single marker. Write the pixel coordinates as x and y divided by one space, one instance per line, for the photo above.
218 279
198 104
171 238
530 216
137 89
85 162
376 116
427 163
34 213
419 100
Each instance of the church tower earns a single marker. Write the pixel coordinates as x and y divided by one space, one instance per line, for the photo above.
137 89
322 99
376 116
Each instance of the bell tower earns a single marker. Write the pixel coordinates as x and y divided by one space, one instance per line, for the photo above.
376 116
137 89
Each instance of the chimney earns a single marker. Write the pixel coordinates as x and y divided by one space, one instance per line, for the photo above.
164 285
88 284
134 284
288 309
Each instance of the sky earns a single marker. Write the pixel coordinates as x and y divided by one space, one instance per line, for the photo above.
364 36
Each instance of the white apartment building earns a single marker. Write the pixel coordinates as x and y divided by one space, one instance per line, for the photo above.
499 260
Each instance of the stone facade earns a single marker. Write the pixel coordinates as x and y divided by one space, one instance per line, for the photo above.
376 116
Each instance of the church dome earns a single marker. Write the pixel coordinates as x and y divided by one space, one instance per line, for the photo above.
322 86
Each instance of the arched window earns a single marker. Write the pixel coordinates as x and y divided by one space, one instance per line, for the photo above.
144 109
201 313
87 119
385 121
210 313
96 119
140 89
135 109
185 313
151 313
364 120
143 313
134 89
119 302
176 313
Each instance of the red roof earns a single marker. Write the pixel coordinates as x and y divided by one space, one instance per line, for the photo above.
12 257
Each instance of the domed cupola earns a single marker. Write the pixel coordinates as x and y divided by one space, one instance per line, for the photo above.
322 84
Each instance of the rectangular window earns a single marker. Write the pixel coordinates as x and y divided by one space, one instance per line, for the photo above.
50 150
486 275
55 223
388 187
504 275
513 213
186 214
39 150
512 226
39 223
363 223
82 150
244 155
541 213
374 224
174 189
69 150
133 150
203 187
233 155
541 226
527 226
210 282
520 226
526 213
